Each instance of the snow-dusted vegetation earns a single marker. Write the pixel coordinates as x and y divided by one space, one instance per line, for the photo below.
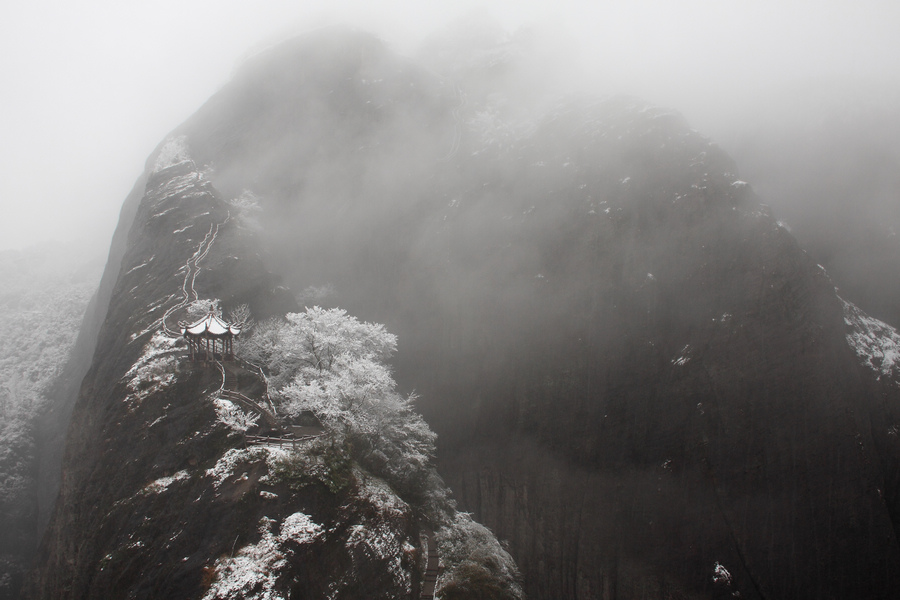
876 343
325 362
476 565
154 370
173 151
246 209
329 363
370 527
202 307
232 416
236 458
44 296
252 574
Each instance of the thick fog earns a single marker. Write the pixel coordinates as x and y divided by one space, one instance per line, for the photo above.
90 88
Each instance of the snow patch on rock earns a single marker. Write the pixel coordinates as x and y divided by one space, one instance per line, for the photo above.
300 528
174 151
154 370
378 493
188 185
378 541
161 484
684 356
721 575
876 343
226 465
253 573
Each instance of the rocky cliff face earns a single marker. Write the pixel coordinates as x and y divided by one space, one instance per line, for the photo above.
828 161
161 496
638 378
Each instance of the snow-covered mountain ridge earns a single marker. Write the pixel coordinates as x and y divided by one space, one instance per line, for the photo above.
876 343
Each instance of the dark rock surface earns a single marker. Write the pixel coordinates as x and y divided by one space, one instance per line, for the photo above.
639 378
826 156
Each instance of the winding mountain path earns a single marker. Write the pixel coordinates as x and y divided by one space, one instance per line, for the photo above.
281 435
257 370
192 269
230 390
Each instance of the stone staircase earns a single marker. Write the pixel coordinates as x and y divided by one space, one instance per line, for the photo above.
432 567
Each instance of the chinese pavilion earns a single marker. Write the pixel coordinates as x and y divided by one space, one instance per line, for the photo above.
210 338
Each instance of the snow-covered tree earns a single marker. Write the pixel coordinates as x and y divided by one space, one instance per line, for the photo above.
264 347
232 416
476 564
240 317
311 341
332 364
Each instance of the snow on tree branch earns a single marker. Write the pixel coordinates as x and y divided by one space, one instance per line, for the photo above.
232 416
240 317
333 365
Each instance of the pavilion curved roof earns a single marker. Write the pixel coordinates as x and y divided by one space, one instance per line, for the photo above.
210 325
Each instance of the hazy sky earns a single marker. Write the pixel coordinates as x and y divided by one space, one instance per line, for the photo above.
88 88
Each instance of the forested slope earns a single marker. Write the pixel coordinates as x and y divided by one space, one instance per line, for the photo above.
45 293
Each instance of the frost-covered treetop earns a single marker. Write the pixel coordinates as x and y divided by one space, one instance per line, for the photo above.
320 335
333 365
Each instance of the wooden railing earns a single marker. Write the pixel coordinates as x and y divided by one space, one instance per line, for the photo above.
284 436
260 440
263 378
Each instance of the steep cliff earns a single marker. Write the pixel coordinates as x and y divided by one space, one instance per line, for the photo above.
638 377
163 497
827 158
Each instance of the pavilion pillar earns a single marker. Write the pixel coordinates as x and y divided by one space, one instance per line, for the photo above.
209 339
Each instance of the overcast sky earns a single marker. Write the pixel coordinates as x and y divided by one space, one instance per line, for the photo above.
88 88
